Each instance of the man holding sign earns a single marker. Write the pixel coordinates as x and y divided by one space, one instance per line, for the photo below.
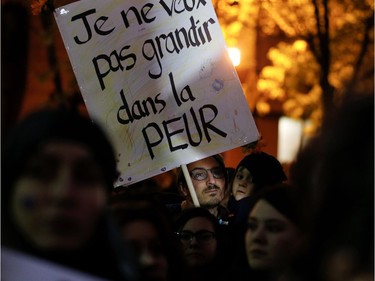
209 180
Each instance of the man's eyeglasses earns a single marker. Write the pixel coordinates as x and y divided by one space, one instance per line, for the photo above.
201 174
202 236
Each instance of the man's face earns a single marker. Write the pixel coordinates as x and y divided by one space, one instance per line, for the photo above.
210 190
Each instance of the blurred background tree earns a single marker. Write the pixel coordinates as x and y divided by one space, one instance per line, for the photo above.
325 51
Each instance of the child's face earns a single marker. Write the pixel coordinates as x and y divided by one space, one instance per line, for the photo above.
242 183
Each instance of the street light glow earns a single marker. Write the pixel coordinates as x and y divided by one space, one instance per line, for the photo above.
234 55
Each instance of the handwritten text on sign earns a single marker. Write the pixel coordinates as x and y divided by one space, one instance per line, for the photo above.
156 75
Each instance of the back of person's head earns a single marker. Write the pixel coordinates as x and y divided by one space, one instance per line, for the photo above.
334 176
265 169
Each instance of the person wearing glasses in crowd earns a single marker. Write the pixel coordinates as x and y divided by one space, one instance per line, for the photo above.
209 180
198 231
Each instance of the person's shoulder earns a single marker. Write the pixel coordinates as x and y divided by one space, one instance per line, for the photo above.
240 209
243 209
224 215
245 202
232 203
235 206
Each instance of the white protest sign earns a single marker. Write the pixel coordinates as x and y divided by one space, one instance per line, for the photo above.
156 75
17 266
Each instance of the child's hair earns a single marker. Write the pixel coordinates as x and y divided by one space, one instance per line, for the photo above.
265 169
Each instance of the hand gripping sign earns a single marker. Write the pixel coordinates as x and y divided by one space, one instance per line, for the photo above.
157 77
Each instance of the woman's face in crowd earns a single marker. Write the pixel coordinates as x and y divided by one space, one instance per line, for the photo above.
201 248
271 238
146 242
59 197
242 183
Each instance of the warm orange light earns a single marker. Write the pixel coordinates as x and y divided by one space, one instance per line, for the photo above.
300 45
235 55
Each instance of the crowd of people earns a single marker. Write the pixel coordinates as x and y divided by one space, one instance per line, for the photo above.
316 223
